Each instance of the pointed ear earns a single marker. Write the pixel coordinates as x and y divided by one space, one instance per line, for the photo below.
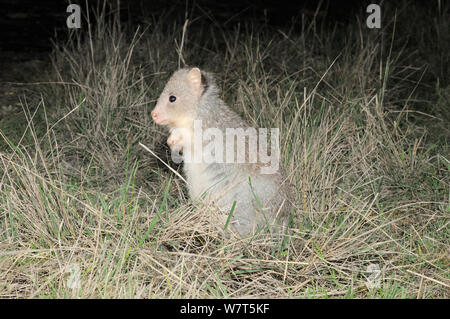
195 79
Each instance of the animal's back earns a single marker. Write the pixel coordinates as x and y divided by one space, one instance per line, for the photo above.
260 199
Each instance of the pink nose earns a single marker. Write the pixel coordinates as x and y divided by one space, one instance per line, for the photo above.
154 115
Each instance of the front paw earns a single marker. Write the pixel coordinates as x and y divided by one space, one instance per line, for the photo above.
175 142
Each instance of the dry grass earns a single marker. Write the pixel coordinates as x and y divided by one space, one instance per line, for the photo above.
372 184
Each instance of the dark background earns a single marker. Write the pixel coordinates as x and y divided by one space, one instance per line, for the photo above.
27 25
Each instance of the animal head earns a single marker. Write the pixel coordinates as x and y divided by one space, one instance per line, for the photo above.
177 105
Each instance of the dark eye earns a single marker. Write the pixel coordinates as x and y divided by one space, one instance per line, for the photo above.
172 98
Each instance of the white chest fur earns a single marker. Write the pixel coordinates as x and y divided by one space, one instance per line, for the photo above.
198 181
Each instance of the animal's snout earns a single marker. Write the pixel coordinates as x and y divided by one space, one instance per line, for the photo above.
155 115
159 117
